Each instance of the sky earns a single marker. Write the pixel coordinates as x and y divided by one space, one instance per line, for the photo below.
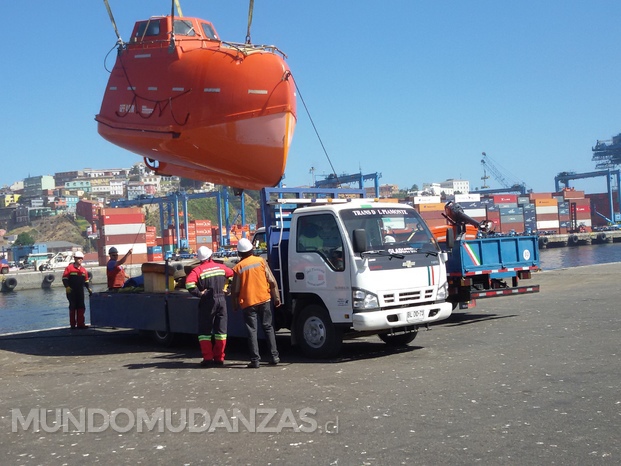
414 90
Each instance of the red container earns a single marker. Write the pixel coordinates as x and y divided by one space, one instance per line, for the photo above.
515 226
534 196
493 216
545 217
121 219
505 199
126 239
120 210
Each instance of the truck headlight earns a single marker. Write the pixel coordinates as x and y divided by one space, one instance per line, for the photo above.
443 292
363 300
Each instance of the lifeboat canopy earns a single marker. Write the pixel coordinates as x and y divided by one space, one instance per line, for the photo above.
195 106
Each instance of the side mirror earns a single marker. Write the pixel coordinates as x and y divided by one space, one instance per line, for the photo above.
450 239
360 240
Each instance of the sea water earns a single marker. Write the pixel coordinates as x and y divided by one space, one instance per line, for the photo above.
27 310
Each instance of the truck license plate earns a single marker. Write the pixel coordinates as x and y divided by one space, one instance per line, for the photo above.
415 316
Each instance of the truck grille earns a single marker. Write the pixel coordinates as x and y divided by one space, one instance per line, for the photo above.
407 297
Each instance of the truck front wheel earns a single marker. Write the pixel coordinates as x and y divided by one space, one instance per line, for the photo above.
316 334
398 339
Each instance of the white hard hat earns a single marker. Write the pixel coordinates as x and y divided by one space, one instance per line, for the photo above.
389 239
79 254
204 253
244 245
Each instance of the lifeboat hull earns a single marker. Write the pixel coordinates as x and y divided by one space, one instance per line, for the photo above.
201 108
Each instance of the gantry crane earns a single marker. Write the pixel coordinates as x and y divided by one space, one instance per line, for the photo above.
334 181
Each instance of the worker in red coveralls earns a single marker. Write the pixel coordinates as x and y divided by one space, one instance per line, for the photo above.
75 279
209 281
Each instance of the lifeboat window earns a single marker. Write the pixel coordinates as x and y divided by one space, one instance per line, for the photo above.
209 32
184 28
147 28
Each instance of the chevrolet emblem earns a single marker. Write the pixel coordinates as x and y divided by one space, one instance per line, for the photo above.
408 264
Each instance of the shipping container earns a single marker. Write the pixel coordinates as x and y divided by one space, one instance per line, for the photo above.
539 196
510 211
464 198
546 202
546 217
546 210
518 227
476 213
123 229
571 194
426 200
439 206
547 224
120 211
504 198
504 219
122 239
120 219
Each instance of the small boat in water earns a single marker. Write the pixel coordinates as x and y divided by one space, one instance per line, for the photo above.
197 107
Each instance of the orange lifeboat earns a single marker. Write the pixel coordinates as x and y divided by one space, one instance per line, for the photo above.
197 107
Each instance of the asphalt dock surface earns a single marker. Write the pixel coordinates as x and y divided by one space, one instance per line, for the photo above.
528 380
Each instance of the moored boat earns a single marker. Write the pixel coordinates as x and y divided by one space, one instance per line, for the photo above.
195 106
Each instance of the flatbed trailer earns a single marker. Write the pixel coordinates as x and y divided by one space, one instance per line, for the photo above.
491 267
163 315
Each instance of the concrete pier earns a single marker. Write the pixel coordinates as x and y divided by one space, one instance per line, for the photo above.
30 280
530 379
577 239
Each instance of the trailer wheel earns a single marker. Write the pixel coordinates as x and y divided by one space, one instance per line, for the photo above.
316 334
163 338
398 339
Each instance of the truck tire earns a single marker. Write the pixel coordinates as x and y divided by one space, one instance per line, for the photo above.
316 334
163 338
398 339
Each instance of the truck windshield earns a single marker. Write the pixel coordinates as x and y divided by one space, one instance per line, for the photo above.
396 230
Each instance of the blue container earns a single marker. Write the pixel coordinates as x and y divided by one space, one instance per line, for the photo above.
504 211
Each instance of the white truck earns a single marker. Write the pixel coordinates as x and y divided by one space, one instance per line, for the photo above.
341 275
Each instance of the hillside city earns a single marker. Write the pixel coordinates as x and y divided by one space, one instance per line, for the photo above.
37 197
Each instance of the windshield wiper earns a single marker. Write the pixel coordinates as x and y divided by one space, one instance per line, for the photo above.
427 253
381 252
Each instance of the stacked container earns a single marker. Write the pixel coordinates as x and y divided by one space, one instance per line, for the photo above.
204 234
546 212
600 203
123 228
154 251
431 212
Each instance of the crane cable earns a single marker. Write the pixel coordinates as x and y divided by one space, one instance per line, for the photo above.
316 132
116 30
250 10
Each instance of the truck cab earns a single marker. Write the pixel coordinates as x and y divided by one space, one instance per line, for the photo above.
353 267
